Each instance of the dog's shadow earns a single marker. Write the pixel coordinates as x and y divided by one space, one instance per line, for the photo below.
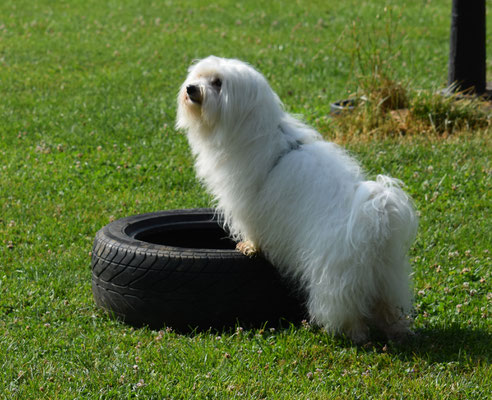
446 344
433 344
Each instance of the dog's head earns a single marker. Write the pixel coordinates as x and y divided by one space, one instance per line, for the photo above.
225 95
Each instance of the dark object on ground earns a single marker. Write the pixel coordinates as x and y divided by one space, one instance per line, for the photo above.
341 106
467 71
179 269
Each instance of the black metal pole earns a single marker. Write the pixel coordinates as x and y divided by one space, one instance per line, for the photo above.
467 70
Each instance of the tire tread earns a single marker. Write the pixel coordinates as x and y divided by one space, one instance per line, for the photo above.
155 285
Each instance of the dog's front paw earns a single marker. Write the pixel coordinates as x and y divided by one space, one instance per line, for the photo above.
247 248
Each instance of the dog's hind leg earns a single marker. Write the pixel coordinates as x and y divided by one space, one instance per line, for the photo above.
391 321
357 331
337 313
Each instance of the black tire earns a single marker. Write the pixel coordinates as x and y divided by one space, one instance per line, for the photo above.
178 269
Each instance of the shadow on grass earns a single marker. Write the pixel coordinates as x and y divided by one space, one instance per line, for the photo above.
435 344
447 344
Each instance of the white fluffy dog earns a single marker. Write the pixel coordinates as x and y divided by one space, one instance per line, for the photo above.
301 201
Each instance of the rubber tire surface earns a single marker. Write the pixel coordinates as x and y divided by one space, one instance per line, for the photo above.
172 268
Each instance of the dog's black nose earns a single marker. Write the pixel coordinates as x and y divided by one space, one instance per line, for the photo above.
194 93
191 89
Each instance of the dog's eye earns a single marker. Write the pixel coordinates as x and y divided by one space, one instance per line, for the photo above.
217 83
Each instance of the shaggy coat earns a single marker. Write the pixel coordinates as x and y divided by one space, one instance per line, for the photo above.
303 202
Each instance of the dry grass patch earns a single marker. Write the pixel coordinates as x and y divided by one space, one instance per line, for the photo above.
385 109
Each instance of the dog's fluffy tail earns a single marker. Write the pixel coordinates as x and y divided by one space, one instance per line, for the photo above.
382 226
382 209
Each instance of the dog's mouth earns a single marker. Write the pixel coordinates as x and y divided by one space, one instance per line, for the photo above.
194 93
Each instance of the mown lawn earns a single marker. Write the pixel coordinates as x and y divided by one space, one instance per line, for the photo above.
87 135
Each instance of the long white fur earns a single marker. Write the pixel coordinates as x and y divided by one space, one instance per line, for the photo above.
301 200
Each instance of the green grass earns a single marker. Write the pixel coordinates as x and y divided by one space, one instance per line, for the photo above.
86 135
